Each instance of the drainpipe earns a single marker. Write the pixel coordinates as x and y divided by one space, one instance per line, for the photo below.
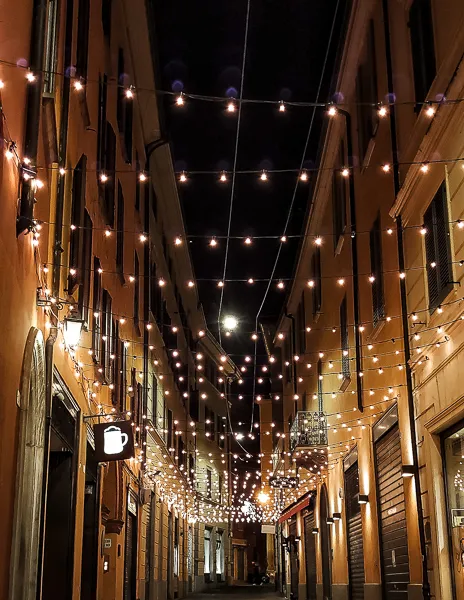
33 107
56 272
354 257
404 309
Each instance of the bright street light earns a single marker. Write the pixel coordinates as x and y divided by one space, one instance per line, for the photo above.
230 323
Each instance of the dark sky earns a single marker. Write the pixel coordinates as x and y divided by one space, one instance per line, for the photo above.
200 51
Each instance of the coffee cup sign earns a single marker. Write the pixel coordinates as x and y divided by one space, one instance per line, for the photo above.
113 441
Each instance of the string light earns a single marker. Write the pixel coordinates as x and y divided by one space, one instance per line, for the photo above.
183 177
223 177
142 177
78 86
281 106
345 172
213 243
430 110
248 241
304 176
424 168
129 92
103 177
386 168
332 111
382 111
231 106
180 99
30 77
263 176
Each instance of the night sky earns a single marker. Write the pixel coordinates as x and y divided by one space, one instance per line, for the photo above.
200 47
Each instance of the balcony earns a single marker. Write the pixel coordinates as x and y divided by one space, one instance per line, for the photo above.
308 431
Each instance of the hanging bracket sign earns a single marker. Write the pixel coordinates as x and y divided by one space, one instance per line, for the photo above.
283 482
113 441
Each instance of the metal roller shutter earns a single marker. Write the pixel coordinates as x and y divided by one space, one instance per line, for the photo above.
130 548
354 533
393 533
310 555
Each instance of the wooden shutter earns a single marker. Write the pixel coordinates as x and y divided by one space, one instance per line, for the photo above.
422 48
120 233
344 339
378 298
317 289
136 291
97 310
107 333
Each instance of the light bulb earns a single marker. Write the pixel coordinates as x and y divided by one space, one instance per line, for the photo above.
231 107
263 176
250 280
345 172
430 110
30 77
183 177
213 243
372 278
318 241
423 230
78 85
143 237
177 241
386 168
62 171
161 282
382 111
304 176
220 284
332 111
424 168
248 241
180 99
142 177
223 177
190 284
341 282
281 285
103 177
2 84
311 283
460 223
9 154
129 93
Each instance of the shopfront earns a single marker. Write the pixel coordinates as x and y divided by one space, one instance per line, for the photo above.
453 465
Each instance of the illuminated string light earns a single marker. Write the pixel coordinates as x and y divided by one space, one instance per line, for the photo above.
263 176
183 177
30 77
382 111
78 85
180 100
424 168
345 172
304 176
103 177
332 111
386 168
223 177
231 106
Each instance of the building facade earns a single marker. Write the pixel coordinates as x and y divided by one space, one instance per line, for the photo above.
104 323
372 405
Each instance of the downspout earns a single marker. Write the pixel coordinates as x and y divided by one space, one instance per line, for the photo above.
354 258
33 106
404 308
56 272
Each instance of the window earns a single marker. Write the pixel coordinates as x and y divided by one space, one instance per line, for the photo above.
176 547
83 24
107 335
80 246
50 47
219 552
151 408
97 309
124 110
181 453
106 18
437 248
366 92
122 375
138 184
209 483
107 188
169 428
339 198
301 332
101 131
120 234
220 484
222 433
378 300
422 48
207 540
320 394
115 363
316 276
136 291
344 339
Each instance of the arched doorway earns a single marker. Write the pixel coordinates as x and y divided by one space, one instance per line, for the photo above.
326 550
29 471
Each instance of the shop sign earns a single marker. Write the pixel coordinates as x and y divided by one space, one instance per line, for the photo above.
113 441
131 504
283 482
267 528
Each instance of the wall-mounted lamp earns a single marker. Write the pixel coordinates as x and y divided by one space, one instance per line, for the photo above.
72 331
363 499
408 470
337 516
315 530
297 538
330 521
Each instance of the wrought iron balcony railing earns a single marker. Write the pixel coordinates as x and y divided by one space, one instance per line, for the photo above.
309 430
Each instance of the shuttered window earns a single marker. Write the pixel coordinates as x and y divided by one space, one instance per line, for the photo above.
438 249
378 299
97 309
354 533
320 394
124 109
422 48
120 234
301 332
366 92
83 25
122 375
107 335
344 339
136 291
316 276
339 195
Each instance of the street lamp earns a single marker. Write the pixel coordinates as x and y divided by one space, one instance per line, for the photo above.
72 331
263 497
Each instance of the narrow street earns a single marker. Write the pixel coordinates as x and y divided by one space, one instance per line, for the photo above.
241 592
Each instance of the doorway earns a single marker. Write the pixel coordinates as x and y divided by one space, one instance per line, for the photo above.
354 532
394 557
130 550
310 555
294 562
326 548
58 553
91 524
